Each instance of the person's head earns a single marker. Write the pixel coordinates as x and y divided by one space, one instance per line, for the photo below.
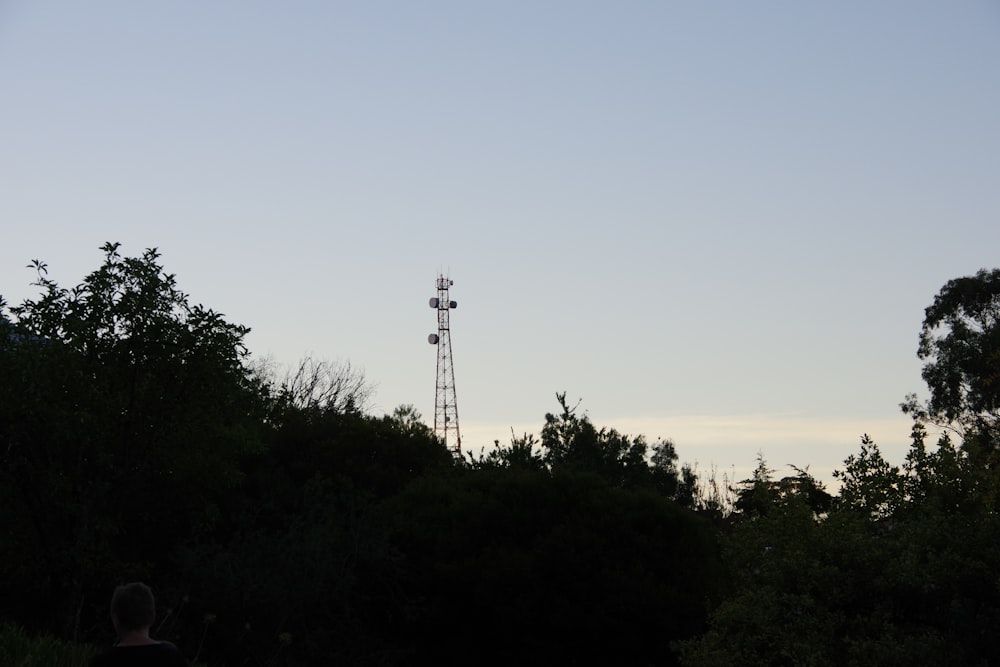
133 607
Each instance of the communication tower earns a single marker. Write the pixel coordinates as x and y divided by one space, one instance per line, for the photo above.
445 399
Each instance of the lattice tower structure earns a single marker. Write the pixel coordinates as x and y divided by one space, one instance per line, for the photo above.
445 396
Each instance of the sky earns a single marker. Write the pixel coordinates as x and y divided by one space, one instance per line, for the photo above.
717 223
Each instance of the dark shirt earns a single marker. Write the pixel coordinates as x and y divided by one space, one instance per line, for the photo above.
163 654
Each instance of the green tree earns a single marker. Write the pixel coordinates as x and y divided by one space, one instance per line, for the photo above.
522 452
960 345
841 591
898 570
571 443
761 493
902 568
297 556
408 421
758 493
869 484
124 414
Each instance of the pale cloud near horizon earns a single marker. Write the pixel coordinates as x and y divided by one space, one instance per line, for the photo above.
732 442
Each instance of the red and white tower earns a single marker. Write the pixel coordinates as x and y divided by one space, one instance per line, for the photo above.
445 399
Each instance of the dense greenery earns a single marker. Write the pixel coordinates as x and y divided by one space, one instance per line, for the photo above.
281 524
901 568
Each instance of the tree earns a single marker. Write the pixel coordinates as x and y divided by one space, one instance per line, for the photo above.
902 568
541 569
317 387
898 571
869 484
408 421
762 493
960 344
572 443
124 414
522 452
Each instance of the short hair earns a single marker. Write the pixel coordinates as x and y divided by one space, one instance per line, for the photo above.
133 607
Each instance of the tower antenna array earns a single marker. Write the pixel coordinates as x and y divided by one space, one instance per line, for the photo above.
445 398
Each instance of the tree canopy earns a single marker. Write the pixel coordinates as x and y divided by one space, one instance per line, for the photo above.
124 413
960 345
282 524
900 567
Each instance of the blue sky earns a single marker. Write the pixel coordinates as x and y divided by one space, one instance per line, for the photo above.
713 222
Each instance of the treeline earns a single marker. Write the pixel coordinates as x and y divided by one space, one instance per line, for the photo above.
282 524
902 567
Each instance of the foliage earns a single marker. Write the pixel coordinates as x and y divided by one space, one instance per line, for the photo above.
408 421
285 594
542 569
318 387
900 570
713 495
281 525
18 648
571 443
761 493
124 413
869 484
960 344
844 591
300 558
522 452
889 576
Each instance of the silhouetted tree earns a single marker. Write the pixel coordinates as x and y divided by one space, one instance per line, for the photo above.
960 344
571 442
542 569
522 452
900 568
124 414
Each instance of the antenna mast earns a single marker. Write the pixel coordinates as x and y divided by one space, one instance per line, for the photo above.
445 399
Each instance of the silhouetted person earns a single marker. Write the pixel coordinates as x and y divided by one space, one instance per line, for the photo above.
133 610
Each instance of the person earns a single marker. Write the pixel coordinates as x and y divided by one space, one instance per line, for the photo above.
133 610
